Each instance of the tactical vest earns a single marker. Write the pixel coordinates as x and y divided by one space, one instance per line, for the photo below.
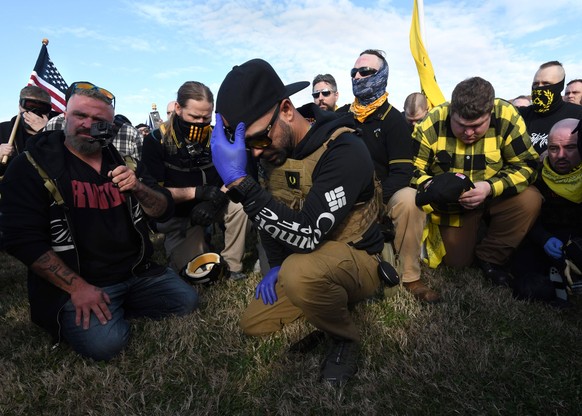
188 163
291 182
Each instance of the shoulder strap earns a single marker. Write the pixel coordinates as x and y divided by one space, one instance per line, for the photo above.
48 183
386 113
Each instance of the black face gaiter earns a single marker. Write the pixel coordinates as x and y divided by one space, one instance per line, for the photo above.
198 132
547 98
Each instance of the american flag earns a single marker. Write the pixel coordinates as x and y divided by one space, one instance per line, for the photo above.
46 76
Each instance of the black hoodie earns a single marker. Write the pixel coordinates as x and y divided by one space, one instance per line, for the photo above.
32 224
345 166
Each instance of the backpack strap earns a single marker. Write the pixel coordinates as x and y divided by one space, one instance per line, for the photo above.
48 183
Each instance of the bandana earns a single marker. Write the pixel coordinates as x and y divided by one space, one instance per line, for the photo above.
194 132
568 186
369 89
362 112
547 98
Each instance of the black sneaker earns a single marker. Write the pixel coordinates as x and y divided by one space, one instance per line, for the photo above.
308 343
497 274
341 361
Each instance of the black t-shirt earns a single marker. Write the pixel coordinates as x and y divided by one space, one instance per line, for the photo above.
539 125
107 243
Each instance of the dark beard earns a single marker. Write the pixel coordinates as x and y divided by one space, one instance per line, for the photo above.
83 146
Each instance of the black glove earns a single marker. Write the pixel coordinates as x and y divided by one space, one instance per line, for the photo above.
207 212
203 214
208 192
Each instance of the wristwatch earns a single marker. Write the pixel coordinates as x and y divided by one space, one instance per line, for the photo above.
237 193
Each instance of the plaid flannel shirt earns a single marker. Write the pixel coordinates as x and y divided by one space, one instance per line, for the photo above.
128 141
504 157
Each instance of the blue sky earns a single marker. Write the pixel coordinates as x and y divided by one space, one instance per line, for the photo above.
144 50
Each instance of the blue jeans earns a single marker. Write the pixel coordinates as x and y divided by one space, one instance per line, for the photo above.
152 297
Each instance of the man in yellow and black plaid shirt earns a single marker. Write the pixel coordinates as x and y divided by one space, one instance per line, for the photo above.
485 139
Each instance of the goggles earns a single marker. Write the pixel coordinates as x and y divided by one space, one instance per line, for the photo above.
38 107
324 92
88 86
364 71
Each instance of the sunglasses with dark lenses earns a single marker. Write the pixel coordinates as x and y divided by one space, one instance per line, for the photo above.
88 86
364 71
261 140
325 93
38 107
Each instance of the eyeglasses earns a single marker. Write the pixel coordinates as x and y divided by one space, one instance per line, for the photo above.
88 86
36 106
325 93
364 71
261 140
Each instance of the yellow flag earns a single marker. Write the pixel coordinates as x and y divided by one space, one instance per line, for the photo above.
428 84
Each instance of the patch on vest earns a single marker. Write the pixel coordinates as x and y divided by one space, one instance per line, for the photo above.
292 179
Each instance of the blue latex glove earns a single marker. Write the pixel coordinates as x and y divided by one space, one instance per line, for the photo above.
553 248
230 159
266 287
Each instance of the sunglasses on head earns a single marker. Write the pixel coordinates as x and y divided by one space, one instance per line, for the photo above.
38 107
364 71
88 86
324 92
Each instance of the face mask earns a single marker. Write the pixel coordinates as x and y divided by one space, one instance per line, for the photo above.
369 89
547 98
195 132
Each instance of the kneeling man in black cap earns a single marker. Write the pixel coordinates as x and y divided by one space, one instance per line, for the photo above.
317 215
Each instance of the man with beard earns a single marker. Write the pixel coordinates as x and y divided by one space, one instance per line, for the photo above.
35 110
317 217
325 92
75 214
177 155
387 136
560 220
547 107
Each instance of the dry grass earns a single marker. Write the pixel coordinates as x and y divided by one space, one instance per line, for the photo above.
479 352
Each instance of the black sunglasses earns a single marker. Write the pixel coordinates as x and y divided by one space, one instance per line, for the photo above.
261 140
325 93
38 107
364 71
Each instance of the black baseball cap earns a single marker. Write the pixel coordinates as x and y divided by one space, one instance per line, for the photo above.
443 189
250 90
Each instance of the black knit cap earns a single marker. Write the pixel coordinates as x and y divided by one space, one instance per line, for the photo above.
250 90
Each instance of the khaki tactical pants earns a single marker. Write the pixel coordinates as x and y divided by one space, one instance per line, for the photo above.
318 285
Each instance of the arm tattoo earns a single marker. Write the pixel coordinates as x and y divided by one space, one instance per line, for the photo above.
52 268
153 203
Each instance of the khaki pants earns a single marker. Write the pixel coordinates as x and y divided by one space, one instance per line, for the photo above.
184 242
510 220
318 285
408 220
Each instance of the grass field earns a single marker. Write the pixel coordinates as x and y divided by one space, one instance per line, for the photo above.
479 352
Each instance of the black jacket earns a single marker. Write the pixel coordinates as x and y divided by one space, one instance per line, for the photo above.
32 223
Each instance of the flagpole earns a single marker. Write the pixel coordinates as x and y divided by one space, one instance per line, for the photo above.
12 136
420 5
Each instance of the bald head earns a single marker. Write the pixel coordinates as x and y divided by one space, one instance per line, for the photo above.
563 151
